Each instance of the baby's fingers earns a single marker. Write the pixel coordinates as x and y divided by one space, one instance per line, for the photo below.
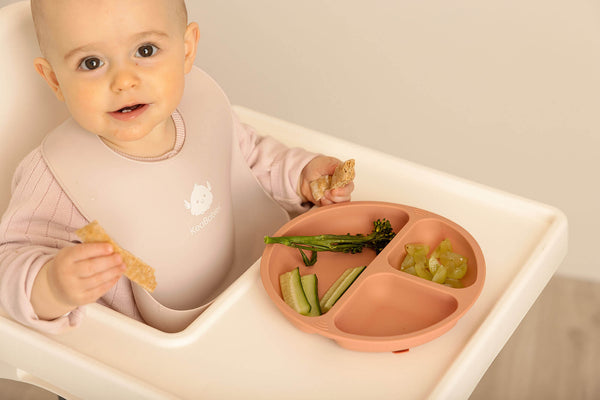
93 266
98 284
84 251
341 194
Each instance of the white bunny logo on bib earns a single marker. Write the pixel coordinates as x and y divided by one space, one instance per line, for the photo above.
200 200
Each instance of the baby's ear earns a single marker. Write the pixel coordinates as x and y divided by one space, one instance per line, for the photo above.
43 67
191 38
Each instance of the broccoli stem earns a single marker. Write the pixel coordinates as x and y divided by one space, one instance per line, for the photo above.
379 237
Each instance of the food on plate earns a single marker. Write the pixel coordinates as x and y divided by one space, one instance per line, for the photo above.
379 237
310 286
136 270
343 175
301 292
292 292
339 287
442 266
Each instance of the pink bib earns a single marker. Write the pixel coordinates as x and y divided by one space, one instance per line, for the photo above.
198 217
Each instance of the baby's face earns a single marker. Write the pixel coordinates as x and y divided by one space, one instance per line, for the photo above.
119 65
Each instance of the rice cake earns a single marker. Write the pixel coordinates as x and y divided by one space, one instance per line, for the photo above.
136 270
343 175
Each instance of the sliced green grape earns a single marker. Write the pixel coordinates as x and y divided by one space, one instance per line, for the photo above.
442 266
459 271
440 275
408 262
414 249
445 246
422 270
433 264
453 283
411 270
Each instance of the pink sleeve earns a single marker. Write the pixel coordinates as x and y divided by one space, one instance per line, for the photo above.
39 220
276 166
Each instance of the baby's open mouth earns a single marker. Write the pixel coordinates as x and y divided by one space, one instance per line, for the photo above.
130 112
129 109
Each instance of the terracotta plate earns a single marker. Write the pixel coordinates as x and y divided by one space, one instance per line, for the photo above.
385 309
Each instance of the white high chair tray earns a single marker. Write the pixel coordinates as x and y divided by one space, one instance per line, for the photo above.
242 347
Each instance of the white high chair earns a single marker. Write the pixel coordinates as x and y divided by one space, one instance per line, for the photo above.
242 347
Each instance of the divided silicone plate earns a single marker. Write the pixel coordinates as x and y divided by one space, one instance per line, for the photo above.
385 309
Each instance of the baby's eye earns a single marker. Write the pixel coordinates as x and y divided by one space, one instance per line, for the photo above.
90 63
147 50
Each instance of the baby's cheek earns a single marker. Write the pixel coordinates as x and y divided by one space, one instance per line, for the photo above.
80 102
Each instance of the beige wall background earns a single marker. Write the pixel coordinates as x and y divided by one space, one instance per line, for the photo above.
502 92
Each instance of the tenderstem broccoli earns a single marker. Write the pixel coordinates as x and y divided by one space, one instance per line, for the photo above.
379 237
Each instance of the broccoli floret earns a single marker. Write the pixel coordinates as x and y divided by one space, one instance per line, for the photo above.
379 237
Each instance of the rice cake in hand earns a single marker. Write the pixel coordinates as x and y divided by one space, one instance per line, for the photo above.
136 270
344 174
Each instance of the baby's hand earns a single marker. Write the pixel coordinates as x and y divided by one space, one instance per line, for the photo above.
321 166
78 275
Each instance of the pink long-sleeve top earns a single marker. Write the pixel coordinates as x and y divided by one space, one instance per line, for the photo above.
41 219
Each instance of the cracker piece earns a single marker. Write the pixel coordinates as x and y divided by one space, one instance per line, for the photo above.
319 186
343 174
136 269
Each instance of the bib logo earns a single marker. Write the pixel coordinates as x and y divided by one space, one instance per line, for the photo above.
201 199
199 204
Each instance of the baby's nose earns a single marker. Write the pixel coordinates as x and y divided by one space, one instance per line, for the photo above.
124 79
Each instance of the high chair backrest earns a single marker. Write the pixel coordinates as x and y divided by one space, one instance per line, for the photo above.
28 109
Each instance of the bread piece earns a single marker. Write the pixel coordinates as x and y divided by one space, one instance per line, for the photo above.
136 270
319 186
343 175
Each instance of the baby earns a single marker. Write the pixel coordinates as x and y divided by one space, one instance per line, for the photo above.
148 130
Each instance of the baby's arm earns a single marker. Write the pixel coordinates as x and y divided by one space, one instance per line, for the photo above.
286 172
39 222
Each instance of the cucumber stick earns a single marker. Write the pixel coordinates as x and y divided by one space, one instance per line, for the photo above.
339 287
310 287
292 292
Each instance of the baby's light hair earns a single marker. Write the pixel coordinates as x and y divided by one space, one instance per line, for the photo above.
37 13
